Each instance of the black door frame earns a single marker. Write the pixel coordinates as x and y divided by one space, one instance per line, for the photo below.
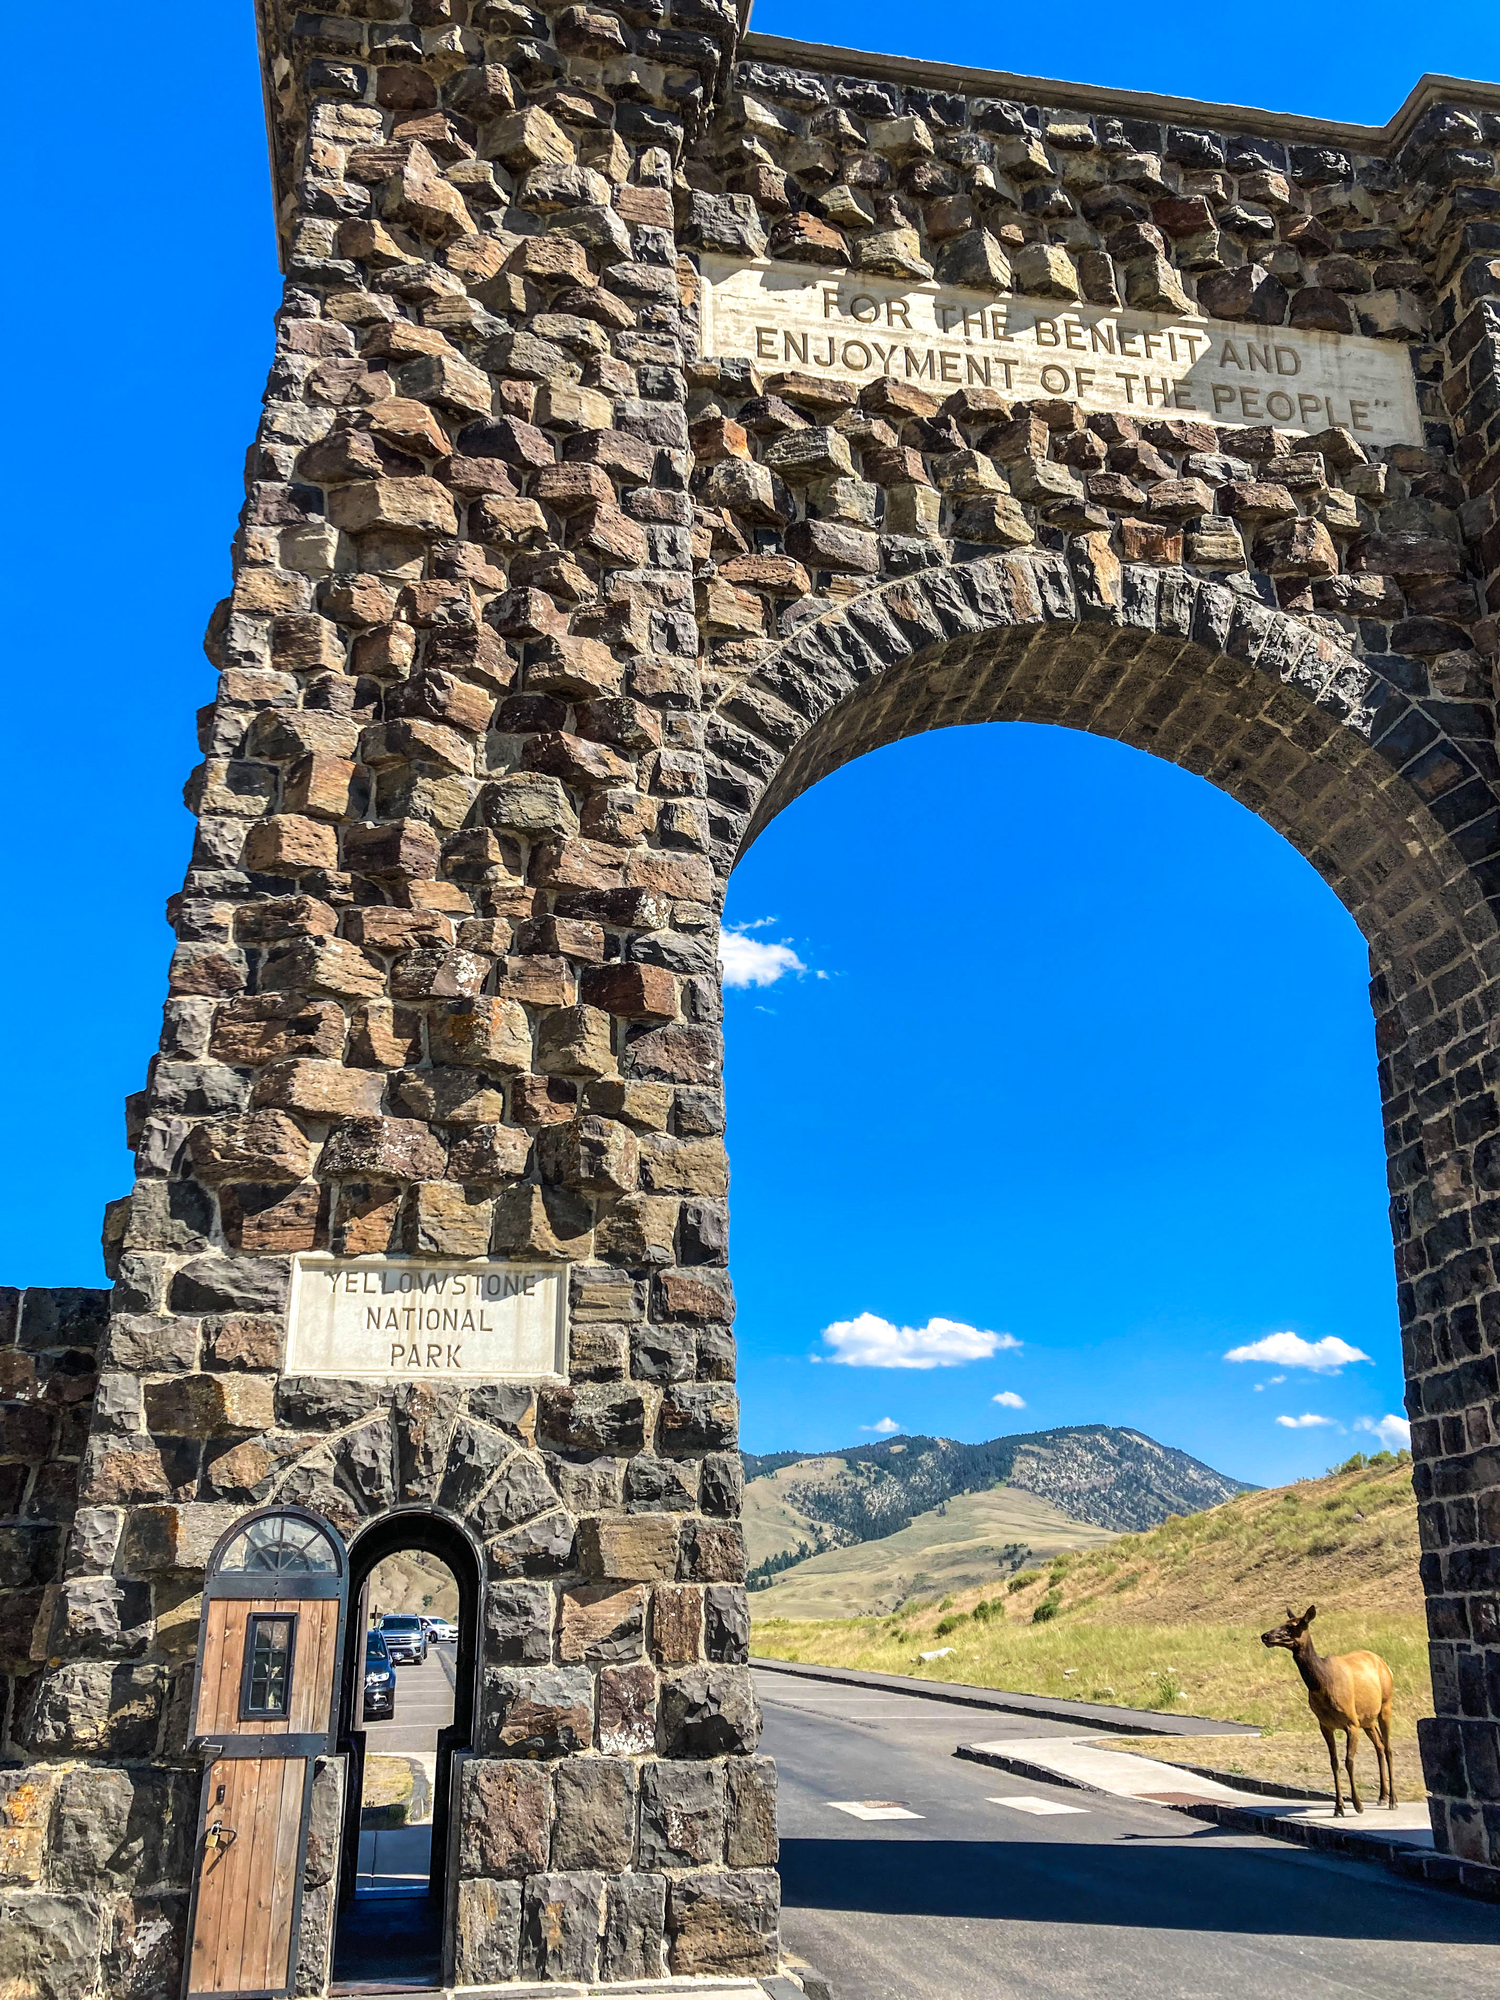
435 1535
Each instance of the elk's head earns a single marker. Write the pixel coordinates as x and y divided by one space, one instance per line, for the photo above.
1292 1631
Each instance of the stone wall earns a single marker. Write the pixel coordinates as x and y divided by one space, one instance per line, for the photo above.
538 615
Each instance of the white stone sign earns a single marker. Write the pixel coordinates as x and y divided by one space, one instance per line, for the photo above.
427 1319
857 327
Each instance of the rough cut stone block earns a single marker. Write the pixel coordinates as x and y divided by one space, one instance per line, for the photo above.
751 1839
539 1712
593 1417
396 1149
634 1548
682 1815
709 1712
26 1800
518 1623
563 1916
594 1807
487 1947
635 1920
603 1624
723 1922
262 1145
130 1829
506 1821
627 1711
49 1945
91 1708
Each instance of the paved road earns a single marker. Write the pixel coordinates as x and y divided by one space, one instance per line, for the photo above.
397 1859
424 1705
973 1900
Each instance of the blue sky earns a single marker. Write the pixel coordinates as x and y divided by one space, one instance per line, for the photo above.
1091 1065
1081 1055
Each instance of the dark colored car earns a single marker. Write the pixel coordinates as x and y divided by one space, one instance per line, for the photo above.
405 1637
380 1680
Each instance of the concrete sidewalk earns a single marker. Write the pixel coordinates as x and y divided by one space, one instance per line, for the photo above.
1400 1839
1075 1760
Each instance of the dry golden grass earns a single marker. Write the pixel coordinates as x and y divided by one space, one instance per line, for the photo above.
1171 1620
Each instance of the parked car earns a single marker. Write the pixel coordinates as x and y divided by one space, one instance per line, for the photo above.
441 1629
405 1638
380 1680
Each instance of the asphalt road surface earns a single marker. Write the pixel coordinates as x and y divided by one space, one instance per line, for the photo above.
424 1705
1112 1900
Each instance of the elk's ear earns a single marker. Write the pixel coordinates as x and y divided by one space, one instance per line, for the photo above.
1291 1616
1309 1614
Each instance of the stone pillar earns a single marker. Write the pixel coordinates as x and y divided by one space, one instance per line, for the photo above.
1451 1336
446 984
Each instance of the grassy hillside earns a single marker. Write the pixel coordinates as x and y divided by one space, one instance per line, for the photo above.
974 1541
413 1581
1172 1618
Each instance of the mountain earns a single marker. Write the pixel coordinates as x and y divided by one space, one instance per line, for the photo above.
1096 1473
968 1542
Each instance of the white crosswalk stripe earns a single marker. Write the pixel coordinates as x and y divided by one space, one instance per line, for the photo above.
1023 1803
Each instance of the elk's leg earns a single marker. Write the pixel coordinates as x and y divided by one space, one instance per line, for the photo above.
1351 1744
1333 1765
1390 1762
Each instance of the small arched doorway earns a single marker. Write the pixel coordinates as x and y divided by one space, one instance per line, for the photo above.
393 1880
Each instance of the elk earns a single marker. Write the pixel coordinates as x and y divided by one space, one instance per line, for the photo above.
1349 1691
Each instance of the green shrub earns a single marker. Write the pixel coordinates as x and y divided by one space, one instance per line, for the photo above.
1048 1608
946 1625
946 1605
1022 1581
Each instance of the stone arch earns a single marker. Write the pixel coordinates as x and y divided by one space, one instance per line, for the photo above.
1388 793
474 1470
1373 785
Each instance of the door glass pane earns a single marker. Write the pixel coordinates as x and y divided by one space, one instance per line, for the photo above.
282 1544
269 1666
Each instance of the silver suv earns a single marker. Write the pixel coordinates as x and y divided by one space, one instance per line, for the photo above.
405 1636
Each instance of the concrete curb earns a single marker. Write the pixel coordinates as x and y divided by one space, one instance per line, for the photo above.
1115 1721
1416 1864
1420 1864
1263 1786
1022 1767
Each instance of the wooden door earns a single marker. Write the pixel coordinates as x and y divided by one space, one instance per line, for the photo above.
263 1710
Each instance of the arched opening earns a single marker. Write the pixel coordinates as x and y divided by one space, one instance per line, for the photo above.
407 1708
1379 783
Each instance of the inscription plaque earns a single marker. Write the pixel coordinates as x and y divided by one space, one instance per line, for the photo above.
856 327
406 1318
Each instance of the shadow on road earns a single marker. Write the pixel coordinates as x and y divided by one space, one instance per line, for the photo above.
1262 1891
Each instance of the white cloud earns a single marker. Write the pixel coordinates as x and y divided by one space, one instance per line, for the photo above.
749 962
1394 1432
1009 1400
887 1427
1323 1357
872 1342
1304 1423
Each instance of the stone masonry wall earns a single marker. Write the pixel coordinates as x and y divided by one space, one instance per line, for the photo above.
538 614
